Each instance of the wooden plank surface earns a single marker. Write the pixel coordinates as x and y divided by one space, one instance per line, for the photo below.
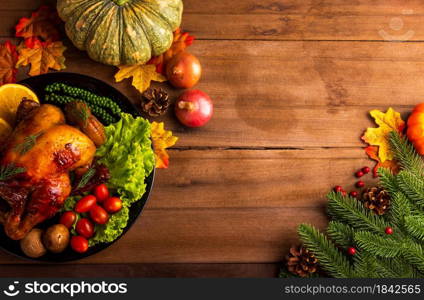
142 270
292 82
286 20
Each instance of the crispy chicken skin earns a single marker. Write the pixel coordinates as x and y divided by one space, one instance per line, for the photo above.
39 192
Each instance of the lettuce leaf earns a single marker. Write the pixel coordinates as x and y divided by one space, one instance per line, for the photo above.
130 158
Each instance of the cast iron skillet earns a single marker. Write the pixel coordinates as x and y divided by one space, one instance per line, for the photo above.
37 84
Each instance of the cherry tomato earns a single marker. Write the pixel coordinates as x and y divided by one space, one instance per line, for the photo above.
79 243
68 218
85 228
101 192
99 215
113 205
85 204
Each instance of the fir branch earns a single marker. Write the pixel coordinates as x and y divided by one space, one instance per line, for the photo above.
415 226
340 233
329 257
86 177
365 265
414 254
377 245
27 144
10 170
399 209
388 180
394 268
352 212
405 154
412 187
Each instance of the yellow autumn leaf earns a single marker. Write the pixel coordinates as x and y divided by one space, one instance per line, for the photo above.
141 75
387 122
162 139
42 56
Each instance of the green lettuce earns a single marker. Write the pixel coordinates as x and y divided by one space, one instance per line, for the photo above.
130 159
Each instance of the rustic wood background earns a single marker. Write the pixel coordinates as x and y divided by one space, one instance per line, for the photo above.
292 82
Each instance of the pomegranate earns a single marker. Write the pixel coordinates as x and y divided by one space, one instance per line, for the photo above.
183 70
194 108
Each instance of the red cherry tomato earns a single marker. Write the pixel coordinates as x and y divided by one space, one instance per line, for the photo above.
68 218
85 204
113 205
85 228
101 192
99 215
79 244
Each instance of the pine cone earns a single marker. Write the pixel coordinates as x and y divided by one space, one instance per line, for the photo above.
155 102
376 199
301 262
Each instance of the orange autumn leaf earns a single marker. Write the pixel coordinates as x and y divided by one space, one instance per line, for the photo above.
372 152
162 139
387 122
8 59
181 41
142 75
42 56
42 24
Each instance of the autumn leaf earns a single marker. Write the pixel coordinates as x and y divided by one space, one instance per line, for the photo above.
162 139
141 75
372 152
41 55
387 122
43 24
181 41
8 59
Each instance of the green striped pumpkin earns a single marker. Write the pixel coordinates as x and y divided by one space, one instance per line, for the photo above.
121 32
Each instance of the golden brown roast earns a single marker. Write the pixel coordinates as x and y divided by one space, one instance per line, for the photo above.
46 149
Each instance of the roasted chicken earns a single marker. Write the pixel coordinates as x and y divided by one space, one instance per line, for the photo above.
46 150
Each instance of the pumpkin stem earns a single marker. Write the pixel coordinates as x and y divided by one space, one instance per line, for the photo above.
120 2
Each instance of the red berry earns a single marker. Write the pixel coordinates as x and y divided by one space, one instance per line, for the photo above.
351 251
353 194
366 170
360 184
389 230
338 189
344 193
359 174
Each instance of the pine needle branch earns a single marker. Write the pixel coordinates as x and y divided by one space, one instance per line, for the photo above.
352 212
378 245
415 226
412 186
399 209
340 233
388 180
329 257
405 154
414 254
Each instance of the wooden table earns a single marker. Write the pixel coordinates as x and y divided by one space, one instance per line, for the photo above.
292 82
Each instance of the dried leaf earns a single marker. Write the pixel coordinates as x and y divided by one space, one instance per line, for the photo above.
372 152
41 55
8 59
162 139
42 24
141 75
181 41
387 122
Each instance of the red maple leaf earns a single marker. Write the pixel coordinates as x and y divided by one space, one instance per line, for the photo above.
8 59
42 24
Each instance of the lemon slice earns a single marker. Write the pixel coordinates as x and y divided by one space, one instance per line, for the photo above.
5 130
10 97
